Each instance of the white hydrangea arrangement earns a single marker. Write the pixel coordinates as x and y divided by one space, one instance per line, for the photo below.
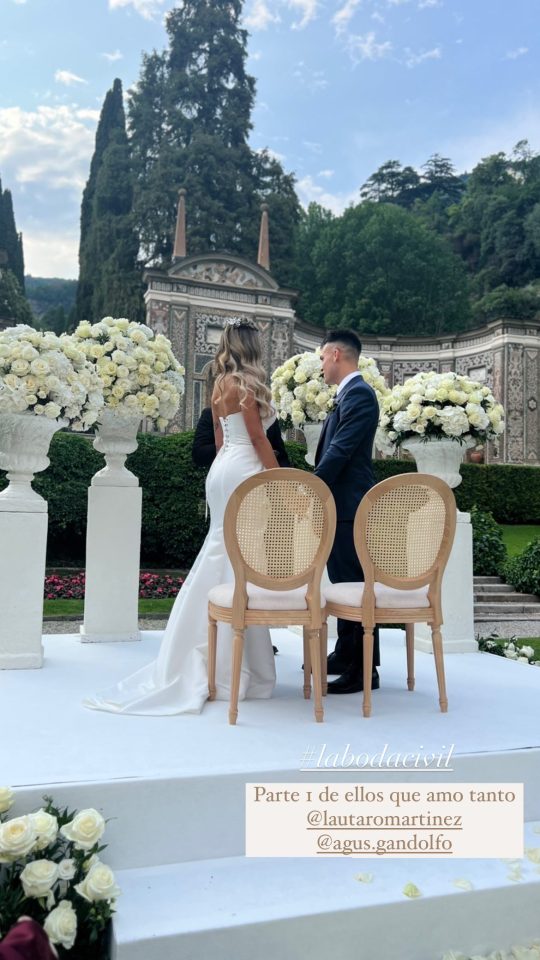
50 870
300 394
141 377
47 376
436 406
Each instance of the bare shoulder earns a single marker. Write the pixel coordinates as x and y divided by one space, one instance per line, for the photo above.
225 397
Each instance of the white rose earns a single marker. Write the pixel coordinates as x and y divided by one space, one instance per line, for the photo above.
98 884
527 652
6 799
17 838
61 925
511 654
46 827
85 830
38 877
40 368
52 411
66 869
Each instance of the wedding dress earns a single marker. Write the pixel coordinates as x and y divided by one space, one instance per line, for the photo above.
177 681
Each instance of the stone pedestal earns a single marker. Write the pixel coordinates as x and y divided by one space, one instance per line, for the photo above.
113 543
24 443
23 535
457 597
113 538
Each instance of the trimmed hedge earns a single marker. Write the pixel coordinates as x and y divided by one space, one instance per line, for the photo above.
523 572
489 551
174 525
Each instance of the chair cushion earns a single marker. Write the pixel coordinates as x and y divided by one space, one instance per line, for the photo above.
259 598
350 595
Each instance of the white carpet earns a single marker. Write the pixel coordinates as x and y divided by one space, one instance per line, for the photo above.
49 737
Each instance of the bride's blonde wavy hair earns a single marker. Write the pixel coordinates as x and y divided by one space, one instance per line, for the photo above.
239 357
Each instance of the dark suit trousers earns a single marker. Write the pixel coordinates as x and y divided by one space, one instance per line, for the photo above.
344 567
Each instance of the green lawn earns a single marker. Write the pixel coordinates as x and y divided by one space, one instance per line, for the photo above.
517 538
66 608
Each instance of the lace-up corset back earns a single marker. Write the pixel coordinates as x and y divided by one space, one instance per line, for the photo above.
235 430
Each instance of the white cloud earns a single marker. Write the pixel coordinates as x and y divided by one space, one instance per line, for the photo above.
146 8
344 15
309 191
50 147
256 55
67 78
378 16
365 47
424 4
515 54
307 9
51 253
326 174
19 2
260 16
413 59
112 57
314 80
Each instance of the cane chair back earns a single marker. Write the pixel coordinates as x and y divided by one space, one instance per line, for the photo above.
403 533
278 528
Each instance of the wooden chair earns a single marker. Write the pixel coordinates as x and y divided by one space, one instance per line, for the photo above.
403 533
278 529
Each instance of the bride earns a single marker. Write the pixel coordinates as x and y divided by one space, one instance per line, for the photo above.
177 681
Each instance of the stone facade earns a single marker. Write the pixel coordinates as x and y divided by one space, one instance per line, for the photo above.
191 302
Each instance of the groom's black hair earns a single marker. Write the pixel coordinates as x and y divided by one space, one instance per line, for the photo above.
348 338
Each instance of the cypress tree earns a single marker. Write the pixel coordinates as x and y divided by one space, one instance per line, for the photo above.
10 240
109 278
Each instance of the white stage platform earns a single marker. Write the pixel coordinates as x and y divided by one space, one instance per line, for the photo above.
174 790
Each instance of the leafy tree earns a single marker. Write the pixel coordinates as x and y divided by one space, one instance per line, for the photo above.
109 279
392 183
190 118
14 307
10 240
378 270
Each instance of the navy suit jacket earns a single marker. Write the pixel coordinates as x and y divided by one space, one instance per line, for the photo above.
343 458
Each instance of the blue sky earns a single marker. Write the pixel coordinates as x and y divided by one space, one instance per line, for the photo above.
342 86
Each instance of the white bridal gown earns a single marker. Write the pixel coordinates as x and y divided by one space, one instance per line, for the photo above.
177 682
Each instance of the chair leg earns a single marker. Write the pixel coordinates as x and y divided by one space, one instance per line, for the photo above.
238 649
212 648
368 669
315 650
307 665
324 658
409 639
436 639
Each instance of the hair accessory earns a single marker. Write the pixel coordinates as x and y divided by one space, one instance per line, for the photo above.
241 322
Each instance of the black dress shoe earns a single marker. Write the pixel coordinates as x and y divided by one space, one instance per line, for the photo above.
352 682
337 664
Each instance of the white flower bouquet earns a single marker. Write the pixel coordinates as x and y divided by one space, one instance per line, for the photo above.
300 394
50 870
436 406
140 375
47 376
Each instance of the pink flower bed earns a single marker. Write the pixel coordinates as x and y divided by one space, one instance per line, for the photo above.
71 587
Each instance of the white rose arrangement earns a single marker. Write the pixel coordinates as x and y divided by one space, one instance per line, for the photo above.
301 395
439 405
139 373
48 376
50 870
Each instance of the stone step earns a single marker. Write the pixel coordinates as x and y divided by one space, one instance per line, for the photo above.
508 597
481 579
510 609
298 907
501 617
491 587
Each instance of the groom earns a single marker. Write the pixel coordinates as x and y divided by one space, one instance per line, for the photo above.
343 461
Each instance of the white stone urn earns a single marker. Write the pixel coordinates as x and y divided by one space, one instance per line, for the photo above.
24 444
312 433
441 458
116 437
